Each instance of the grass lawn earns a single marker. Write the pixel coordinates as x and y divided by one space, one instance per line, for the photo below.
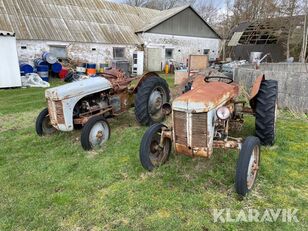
50 183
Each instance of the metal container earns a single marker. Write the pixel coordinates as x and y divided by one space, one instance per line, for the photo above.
25 68
42 71
39 61
49 58
56 67
255 56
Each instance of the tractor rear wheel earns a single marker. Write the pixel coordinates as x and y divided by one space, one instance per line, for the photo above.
266 111
151 95
247 165
151 153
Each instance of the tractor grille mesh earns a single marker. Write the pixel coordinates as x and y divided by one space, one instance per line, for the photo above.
198 128
180 127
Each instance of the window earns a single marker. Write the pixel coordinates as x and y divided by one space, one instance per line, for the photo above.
206 51
169 53
58 51
118 52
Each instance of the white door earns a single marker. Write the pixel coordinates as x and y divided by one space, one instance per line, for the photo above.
154 59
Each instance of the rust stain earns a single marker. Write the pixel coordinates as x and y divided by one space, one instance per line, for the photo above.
256 86
210 94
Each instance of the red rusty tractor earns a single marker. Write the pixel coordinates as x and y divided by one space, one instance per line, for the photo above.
201 118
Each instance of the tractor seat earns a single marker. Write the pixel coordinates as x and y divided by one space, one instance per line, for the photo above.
205 96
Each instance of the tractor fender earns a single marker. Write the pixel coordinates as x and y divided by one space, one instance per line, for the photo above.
255 90
144 77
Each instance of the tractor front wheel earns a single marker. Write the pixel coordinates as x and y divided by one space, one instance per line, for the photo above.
247 165
43 125
95 132
151 95
152 154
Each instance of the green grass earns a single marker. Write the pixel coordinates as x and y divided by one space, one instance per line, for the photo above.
50 183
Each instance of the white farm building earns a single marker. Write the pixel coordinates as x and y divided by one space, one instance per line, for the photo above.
99 31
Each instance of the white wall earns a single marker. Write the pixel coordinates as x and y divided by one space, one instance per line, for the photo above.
183 46
76 51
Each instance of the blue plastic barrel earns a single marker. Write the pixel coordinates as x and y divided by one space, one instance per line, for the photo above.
25 68
39 61
56 67
42 71
91 65
49 58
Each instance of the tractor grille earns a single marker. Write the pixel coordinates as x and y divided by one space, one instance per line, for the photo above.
56 114
199 130
197 125
180 127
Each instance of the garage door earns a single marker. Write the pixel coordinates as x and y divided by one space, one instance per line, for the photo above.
154 59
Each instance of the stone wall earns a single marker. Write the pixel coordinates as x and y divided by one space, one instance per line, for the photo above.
292 82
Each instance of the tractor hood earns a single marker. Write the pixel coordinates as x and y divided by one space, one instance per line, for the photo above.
78 88
205 96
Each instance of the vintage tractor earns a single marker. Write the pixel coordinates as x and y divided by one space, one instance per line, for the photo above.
201 118
88 103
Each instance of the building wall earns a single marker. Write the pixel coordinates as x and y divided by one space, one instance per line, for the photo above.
76 51
183 46
186 23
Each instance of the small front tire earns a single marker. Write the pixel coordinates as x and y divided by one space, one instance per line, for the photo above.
95 133
150 153
247 165
43 125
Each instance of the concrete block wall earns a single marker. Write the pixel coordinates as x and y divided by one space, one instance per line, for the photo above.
292 86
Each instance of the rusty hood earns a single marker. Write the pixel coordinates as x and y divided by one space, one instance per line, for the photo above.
205 96
78 88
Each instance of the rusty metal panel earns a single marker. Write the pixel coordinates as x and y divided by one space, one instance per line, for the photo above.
199 130
180 127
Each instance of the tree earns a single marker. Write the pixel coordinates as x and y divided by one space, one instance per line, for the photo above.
159 4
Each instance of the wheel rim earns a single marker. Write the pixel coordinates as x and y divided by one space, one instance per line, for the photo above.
99 134
158 155
253 167
46 126
157 98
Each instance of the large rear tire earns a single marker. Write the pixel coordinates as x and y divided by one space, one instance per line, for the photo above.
247 165
151 95
150 153
266 112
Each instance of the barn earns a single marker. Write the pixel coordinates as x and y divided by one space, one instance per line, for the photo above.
269 35
99 31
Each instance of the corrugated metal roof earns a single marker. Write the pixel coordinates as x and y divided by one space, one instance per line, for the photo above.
7 33
96 21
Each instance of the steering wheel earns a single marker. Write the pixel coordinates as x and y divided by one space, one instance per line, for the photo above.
223 79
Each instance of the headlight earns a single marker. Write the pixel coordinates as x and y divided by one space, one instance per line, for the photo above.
223 113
